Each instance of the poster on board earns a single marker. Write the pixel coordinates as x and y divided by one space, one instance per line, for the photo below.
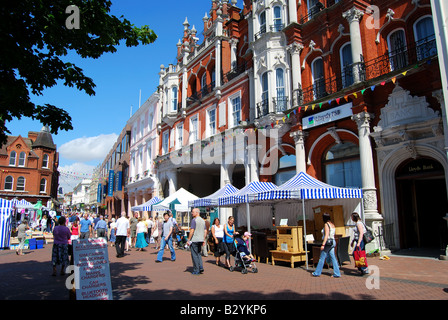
92 272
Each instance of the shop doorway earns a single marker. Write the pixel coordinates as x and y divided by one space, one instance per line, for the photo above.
422 204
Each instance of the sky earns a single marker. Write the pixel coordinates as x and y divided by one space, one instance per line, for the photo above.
124 80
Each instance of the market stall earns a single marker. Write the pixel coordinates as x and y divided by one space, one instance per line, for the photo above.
5 223
177 202
302 187
147 206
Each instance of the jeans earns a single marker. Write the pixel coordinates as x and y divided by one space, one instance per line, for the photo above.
328 250
195 249
163 242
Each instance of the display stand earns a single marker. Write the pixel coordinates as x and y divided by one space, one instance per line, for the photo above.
289 245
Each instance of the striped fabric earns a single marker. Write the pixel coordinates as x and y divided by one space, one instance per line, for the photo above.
303 186
22 204
5 223
147 205
242 195
213 199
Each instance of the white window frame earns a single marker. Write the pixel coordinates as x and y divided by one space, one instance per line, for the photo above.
45 185
12 155
45 158
23 160
23 186
165 142
194 131
211 125
179 136
174 98
231 99
278 21
11 182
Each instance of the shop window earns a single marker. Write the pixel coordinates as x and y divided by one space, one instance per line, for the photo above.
342 166
286 169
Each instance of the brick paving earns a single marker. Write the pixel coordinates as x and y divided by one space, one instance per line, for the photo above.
138 277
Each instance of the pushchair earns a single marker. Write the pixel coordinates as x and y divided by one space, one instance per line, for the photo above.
181 240
241 261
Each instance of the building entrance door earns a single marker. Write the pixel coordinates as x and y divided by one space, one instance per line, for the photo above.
422 204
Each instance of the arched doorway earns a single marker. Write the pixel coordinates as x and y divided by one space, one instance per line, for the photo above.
422 204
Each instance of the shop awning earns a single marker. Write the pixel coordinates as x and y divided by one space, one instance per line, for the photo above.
147 206
213 199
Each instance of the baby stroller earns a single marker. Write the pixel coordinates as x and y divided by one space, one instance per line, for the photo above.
242 261
181 240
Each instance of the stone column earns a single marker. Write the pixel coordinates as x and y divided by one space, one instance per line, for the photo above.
295 49
172 181
233 54
292 6
299 139
226 177
353 17
371 216
252 152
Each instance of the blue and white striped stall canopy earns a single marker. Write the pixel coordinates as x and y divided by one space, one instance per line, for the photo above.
5 222
304 186
242 195
147 205
212 200
22 204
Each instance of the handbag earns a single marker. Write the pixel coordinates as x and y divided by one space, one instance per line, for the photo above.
360 258
368 235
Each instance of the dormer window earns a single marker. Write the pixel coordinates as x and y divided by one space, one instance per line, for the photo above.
22 158
12 158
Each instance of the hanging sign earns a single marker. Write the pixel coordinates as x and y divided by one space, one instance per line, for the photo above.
110 190
92 272
328 116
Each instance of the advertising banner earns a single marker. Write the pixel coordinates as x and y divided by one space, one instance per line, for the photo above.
92 272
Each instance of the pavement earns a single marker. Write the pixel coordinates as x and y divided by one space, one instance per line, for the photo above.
138 277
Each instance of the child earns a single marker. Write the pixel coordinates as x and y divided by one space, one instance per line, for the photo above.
242 247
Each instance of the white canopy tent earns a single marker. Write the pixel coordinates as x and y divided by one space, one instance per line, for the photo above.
182 196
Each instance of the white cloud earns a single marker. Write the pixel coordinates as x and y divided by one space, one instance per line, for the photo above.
88 148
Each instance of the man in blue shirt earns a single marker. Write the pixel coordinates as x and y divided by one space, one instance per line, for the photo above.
101 228
85 227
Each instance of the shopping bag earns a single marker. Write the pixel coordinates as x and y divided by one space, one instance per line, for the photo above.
360 258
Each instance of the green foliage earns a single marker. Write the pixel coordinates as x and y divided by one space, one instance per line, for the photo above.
34 38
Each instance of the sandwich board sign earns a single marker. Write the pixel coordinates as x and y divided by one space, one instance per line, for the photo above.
92 272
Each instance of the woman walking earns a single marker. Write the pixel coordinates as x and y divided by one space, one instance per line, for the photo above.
229 233
327 248
141 243
218 235
358 240
61 236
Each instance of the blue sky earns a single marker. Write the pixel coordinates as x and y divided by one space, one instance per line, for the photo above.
119 78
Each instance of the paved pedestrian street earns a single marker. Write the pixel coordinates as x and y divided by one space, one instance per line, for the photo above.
138 277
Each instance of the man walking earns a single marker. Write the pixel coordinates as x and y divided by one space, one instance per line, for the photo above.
85 227
101 228
196 240
122 231
166 238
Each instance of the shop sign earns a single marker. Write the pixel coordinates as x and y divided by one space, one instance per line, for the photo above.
328 116
92 272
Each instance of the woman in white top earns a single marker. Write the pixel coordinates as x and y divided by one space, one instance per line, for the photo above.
327 248
218 234
141 243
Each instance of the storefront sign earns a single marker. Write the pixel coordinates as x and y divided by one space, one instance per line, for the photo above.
328 116
92 272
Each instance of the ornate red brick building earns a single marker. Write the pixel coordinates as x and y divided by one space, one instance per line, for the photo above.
29 167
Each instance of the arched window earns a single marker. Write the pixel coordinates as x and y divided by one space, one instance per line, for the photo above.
286 169
347 65
12 158
45 161
264 94
20 184
278 21
9 181
204 84
342 166
425 38
174 99
22 158
317 68
397 50
280 87
43 185
262 19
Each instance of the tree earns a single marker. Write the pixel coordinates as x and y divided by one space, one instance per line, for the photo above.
36 35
